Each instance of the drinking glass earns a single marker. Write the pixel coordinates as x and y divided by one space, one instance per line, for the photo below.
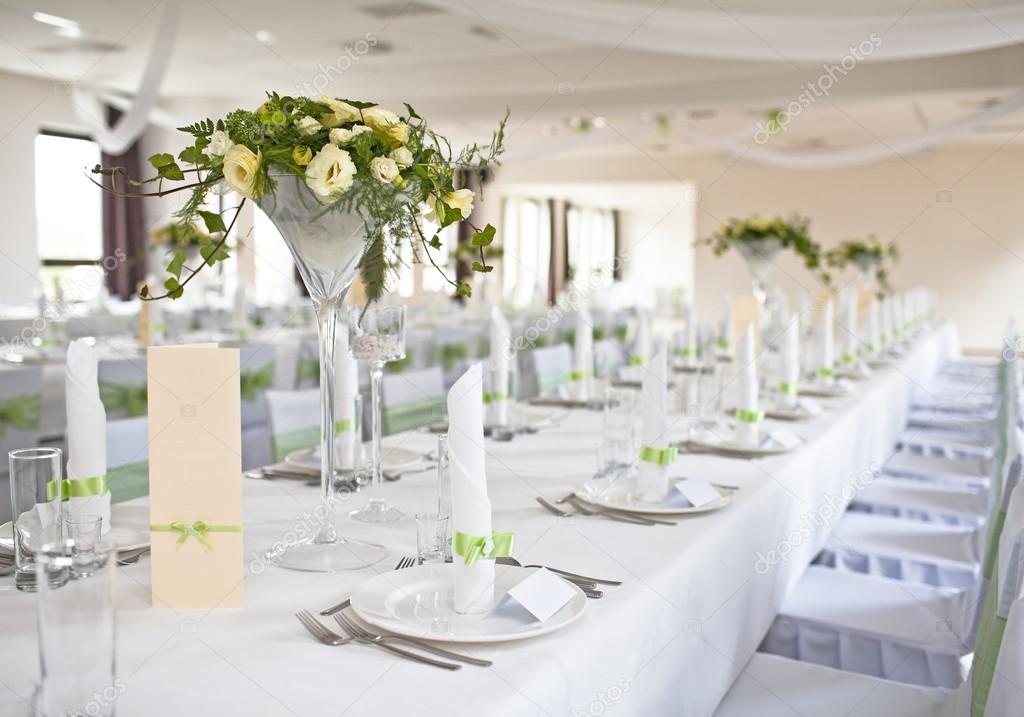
36 480
620 444
377 336
499 396
76 629
431 538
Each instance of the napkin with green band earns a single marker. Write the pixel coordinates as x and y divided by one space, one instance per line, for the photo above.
346 380
727 339
789 378
642 342
655 454
583 356
691 336
86 485
826 344
471 508
885 311
874 326
851 348
748 415
501 355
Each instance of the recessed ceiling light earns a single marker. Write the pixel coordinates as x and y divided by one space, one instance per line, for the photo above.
61 23
600 122
265 36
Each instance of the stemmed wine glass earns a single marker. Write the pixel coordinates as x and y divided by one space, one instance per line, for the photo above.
377 336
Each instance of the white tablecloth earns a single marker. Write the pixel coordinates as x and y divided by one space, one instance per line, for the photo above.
696 601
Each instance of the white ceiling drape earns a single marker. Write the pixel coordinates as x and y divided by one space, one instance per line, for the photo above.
720 34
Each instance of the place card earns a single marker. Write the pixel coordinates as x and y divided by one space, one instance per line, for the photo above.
810 405
195 477
784 438
696 491
542 594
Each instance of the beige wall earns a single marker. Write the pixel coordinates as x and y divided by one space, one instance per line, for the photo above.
956 213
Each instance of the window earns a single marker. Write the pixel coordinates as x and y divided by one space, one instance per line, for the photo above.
590 236
526 256
273 266
69 216
445 258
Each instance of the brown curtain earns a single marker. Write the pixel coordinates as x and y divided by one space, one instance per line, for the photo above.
124 239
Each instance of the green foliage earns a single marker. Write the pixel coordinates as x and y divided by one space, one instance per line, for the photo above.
792 233
869 255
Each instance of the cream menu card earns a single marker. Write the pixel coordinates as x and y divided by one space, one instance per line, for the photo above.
195 477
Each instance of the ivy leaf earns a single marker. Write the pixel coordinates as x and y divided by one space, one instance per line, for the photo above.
483 268
161 160
175 265
171 171
448 215
484 237
211 253
463 289
214 222
144 292
435 242
193 155
174 288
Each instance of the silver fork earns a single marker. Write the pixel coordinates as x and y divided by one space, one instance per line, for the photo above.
611 516
564 573
406 562
363 635
333 639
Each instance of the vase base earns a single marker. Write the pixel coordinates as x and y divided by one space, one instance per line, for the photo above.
377 512
330 557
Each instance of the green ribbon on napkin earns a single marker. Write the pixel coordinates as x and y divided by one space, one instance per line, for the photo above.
493 396
724 345
789 389
578 375
826 372
637 360
127 398
252 383
849 359
344 424
746 416
659 456
78 487
21 412
482 547
872 347
685 353
197 530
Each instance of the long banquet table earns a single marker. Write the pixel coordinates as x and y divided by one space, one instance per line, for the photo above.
696 600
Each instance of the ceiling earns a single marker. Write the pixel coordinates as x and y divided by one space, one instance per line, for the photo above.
462 72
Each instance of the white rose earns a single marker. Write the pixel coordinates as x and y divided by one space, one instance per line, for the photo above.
384 169
220 143
341 136
343 111
387 123
461 199
242 170
402 156
330 173
308 125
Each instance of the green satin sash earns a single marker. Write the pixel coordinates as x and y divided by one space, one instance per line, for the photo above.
407 416
21 412
253 383
124 399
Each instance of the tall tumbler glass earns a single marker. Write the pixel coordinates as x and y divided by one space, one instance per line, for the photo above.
75 611
620 443
36 480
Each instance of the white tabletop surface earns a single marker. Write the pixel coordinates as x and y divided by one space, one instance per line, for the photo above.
695 602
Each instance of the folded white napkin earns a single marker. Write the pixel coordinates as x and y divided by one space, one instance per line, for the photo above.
642 343
690 356
471 509
874 327
346 387
748 415
583 355
851 348
655 454
86 434
727 340
501 352
826 344
789 376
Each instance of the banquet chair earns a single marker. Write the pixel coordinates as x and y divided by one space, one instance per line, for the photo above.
609 357
307 364
255 376
543 370
775 686
294 418
128 458
123 386
412 399
20 400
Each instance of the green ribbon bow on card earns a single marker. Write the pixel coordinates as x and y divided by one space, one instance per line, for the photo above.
78 487
129 399
659 456
637 360
21 412
482 547
578 375
826 373
252 383
746 416
788 389
493 396
197 530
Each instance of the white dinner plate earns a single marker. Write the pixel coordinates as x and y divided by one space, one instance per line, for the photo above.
619 497
129 528
839 391
728 446
418 602
800 413
393 458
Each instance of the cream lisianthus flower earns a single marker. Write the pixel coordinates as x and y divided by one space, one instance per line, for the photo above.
242 170
308 125
220 143
330 173
383 169
402 156
342 137
341 112
461 199
387 123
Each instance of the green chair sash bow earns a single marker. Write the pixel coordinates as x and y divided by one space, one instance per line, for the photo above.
252 383
659 456
494 396
198 530
746 416
21 412
482 547
78 487
124 399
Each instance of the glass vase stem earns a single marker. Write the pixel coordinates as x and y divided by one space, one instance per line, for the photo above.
377 483
327 325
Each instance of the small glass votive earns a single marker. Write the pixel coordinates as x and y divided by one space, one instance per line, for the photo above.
431 538
83 531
